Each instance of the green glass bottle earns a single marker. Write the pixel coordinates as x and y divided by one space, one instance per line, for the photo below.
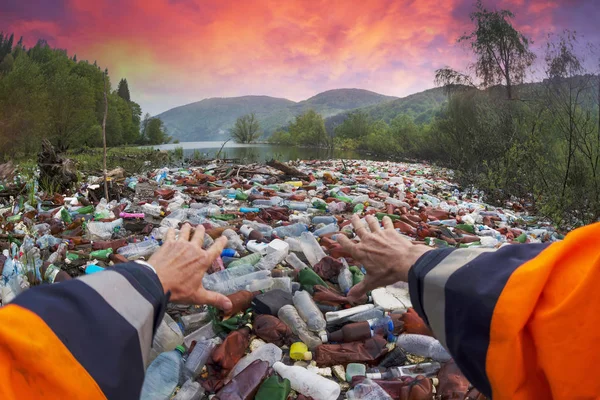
466 227
357 274
309 278
86 210
103 254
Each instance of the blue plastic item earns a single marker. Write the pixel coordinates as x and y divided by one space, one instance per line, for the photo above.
228 253
249 210
92 269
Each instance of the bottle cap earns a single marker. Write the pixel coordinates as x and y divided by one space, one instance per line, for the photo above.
325 337
180 349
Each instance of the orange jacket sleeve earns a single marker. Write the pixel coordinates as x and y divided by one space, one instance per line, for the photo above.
522 322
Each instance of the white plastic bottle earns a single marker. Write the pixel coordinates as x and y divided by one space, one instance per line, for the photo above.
167 337
308 383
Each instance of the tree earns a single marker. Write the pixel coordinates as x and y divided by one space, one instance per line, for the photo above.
123 90
7 64
246 129
309 129
357 125
156 132
503 55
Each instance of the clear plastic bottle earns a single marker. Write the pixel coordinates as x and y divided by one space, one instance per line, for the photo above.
163 375
424 346
296 205
190 391
311 248
267 352
345 279
327 229
260 285
271 260
154 210
308 310
324 219
253 259
239 283
308 383
293 230
294 244
167 337
234 241
205 332
140 249
103 230
197 359
191 322
289 315
367 390
336 316
293 260
220 277
428 369
265 229
273 201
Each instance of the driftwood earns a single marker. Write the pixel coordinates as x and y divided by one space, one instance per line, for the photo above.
286 169
54 169
7 171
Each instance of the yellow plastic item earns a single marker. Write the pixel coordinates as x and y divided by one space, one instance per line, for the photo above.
299 352
294 183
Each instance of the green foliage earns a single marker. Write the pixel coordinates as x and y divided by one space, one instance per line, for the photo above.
309 129
123 90
46 94
246 129
154 131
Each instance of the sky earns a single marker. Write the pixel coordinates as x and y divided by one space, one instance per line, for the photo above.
174 52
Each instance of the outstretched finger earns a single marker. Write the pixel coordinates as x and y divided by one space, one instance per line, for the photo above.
184 233
359 227
373 223
387 223
359 290
170 236
346 243
208 297
198 238
216 249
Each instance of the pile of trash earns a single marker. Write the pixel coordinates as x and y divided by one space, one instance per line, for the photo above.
292 328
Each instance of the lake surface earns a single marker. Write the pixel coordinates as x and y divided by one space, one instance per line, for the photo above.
248 153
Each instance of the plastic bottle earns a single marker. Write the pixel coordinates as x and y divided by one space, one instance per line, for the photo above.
163 375
311 248
355 369
190 391
274 388
93 268
52 274
260 285
294 244
234 241
293 260
367 390
308 310
257 247
396 357
324 219
266 230
140 249
350 333
103 230
191 322
267 352
424 346
205 332
296 205
309 278
289 315
271 260
345 279
239 283
249 259
197 359
428 369
168 336
252 234
153 210
227 252
327 229
245 385
308 383
336 316
221 277
273 201
293 230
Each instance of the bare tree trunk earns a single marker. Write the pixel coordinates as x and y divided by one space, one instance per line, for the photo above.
104 135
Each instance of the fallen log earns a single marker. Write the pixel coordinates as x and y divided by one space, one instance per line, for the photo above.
286 169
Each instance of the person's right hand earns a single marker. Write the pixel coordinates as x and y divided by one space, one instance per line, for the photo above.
181 264
384 253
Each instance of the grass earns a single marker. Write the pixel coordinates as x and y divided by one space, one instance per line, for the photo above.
133 159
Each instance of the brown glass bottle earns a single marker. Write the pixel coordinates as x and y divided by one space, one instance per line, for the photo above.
354 332
245 384
367 352
240 301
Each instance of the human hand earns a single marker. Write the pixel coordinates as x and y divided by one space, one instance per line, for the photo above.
181 264
385 254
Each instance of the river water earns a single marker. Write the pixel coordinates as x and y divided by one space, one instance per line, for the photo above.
248 153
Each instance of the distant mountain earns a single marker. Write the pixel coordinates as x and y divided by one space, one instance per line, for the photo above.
420 106
211 119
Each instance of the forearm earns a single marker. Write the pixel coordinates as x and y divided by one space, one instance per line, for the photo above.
106 321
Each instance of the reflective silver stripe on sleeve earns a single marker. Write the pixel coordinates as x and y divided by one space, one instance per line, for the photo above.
116 290
434 288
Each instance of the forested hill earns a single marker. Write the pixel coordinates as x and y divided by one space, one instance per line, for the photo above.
211 119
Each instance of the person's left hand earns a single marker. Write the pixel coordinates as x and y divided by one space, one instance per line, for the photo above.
181 264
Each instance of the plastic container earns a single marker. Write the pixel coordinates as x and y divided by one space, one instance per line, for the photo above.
190 390
308 310
293 260
103 230
239 283
197 359
267 352
308 383
168 336
163 375
140 249
289 315
293 230
367 390
424 346
311 248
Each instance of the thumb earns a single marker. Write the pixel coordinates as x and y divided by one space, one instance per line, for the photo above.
208 297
